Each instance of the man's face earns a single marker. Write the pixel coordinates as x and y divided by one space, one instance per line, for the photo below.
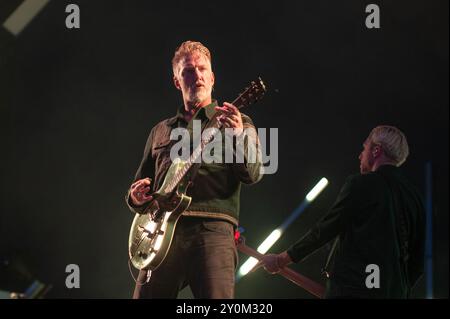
366 158
194 78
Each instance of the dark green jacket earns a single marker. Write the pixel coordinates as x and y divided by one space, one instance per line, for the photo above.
216 189
364 218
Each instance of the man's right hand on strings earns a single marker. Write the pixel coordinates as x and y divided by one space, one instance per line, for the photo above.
139 190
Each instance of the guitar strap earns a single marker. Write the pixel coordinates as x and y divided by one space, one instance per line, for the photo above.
192 173
326 269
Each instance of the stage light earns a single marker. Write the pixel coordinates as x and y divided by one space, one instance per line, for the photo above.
266 244
276 234
23 15
317 189
247 266
263 248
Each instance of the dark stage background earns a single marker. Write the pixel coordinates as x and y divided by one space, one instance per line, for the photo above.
76 107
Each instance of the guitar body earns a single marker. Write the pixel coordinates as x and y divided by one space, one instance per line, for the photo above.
151 233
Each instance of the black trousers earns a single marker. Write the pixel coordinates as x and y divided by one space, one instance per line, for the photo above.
203 255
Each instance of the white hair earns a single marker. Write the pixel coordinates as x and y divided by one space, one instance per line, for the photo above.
392 141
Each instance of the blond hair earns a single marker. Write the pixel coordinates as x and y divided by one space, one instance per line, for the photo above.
392 141
186 48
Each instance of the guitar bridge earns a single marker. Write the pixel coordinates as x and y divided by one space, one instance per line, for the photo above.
144 230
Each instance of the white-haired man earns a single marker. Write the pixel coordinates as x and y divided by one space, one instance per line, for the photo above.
378 225
203 252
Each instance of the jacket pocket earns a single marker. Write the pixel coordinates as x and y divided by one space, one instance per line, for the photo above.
161 145
161 152
219 226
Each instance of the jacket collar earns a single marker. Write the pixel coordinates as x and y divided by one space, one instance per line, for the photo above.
207 110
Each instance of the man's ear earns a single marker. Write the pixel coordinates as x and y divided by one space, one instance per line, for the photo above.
376 151
213 78
176 83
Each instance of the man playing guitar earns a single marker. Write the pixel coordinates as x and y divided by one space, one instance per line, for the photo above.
203 252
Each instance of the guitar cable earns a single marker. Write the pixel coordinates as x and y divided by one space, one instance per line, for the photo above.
136 280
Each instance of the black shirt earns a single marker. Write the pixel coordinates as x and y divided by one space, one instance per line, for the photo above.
365 217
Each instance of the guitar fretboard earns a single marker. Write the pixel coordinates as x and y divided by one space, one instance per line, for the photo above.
239 102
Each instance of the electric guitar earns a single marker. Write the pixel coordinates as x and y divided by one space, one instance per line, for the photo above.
152 232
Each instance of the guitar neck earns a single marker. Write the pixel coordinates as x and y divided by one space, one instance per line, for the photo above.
309 285
214 123
249 96
206 138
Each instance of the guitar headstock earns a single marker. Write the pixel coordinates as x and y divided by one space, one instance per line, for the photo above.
251 94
